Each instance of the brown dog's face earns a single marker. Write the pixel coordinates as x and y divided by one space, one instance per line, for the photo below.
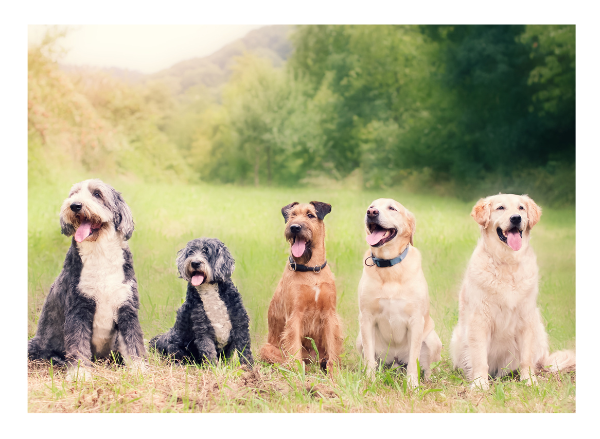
507 217
386 219
304 228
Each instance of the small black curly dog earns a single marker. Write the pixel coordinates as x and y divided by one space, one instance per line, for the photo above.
212 321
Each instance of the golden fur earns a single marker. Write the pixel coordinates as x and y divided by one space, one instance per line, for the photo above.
500 328
304 302
395 325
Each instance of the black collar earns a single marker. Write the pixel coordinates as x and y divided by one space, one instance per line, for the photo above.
299 267
382 263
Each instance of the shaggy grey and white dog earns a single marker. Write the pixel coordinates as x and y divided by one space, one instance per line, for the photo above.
212 321
92 307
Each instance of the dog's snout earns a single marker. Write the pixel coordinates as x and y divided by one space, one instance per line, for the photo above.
372 212
195 265
515 219
295 228
76 207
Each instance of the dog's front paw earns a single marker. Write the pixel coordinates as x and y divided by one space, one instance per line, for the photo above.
412 381
331 365
138 367
79 373
528 379
371 369
480 384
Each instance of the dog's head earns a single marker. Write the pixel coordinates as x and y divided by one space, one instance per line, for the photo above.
506 217
389 224
93 207
304 228
205 260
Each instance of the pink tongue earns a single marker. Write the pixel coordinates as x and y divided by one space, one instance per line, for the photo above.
514 240
375 237
298 247
83 231
197 279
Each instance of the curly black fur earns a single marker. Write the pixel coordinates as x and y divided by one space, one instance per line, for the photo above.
193 338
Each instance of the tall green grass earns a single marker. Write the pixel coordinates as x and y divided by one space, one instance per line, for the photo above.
249 222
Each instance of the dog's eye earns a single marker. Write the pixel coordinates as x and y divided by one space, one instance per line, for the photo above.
97 194
310 215
500 208
521 208
392 208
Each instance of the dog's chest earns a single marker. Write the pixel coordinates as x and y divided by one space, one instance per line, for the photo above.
388 310
102 279
216 311
507 287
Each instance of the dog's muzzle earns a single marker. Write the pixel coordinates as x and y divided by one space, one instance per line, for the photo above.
198 276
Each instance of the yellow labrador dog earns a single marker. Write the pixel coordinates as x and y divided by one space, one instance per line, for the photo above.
393 298
499 327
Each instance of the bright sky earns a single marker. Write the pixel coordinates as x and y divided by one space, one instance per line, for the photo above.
145 48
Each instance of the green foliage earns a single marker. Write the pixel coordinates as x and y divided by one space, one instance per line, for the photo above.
469 104
456 110
91 123
275 130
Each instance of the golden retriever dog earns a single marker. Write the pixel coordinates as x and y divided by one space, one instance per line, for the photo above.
304 302
499 326
393 298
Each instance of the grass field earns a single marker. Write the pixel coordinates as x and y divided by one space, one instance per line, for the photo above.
249 222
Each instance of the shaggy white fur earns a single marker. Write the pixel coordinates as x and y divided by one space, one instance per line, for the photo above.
216 311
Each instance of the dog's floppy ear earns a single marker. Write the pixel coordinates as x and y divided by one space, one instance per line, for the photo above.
180 261
481 212
534 212
123 219
66 229
321 208
412 224
286 209
224 264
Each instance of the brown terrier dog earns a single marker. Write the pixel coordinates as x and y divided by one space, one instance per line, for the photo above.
305 299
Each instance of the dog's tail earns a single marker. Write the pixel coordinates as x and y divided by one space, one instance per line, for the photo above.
560 360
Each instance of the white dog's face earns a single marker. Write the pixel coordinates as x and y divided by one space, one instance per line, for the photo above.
91 207
507 216
387 219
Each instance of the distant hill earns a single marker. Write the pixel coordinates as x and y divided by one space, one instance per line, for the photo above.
125 75
212 71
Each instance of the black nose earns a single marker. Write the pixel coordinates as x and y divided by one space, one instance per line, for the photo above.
76 207
295 228
372 212
196 265
515 219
